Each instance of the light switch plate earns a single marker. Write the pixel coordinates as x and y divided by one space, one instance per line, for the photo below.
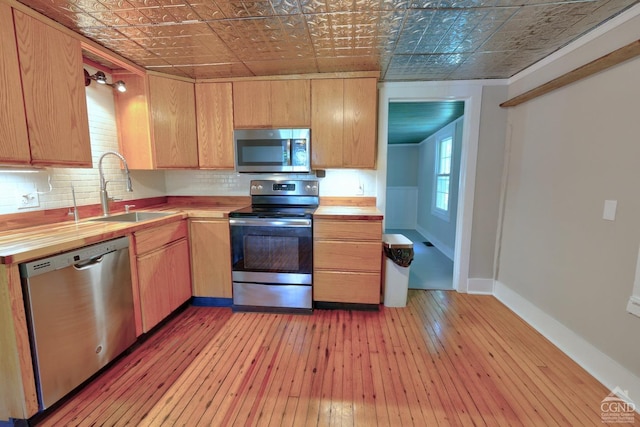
27 198
610 207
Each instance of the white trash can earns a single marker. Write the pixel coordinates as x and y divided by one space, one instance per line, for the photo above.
398 256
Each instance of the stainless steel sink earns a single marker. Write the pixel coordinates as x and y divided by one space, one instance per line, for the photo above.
133 216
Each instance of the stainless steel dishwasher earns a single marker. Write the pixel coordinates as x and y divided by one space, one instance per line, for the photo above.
80 314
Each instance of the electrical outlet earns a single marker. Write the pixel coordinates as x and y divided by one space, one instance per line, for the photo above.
28 199
360 189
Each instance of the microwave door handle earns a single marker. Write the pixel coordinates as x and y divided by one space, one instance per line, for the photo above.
290 159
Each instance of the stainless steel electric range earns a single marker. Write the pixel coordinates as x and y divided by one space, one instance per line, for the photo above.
272 247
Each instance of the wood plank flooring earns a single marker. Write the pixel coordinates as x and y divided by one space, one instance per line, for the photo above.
446 359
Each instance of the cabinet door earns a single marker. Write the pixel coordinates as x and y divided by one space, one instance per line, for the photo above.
173 112
290 103
164 281
360 124
179 283
326 123
54 94
13 123
214 106
153 274
251 104
134 120
211 258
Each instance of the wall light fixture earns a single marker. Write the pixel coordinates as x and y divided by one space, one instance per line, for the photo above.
100 78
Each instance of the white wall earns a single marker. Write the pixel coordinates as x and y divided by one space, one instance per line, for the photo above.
569 151
402 186
490 165
402 165
103 134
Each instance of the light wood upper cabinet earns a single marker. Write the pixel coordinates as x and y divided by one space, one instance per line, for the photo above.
290 103
214 108
13 122
134 120
251 104
360 123
344 123
327 123
271 104
54 94
210 258
173 113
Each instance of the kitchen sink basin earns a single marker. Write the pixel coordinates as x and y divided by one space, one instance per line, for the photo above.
133 216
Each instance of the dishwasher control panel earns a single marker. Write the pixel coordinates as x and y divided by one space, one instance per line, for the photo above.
56 262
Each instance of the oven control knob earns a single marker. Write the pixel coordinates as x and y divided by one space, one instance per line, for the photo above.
315 187
259 187
307 187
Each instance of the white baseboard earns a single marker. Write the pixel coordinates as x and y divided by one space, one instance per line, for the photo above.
445 249
480 286
606 370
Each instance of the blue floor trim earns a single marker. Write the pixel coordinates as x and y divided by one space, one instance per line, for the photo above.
210 302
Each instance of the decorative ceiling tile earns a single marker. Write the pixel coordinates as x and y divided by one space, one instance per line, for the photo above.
207 11
221 70
290 66
403 39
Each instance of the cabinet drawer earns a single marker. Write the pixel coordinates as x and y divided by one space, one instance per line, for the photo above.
347 230
154 238
354 288
347 256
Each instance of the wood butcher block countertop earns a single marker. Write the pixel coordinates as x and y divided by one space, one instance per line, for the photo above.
348 212
45 240
26 244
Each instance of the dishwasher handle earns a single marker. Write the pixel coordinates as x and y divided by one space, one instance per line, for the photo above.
86 264
80 258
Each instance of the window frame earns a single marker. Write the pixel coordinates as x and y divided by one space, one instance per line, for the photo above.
443 214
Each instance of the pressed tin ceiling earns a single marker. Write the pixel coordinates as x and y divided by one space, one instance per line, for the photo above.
403 39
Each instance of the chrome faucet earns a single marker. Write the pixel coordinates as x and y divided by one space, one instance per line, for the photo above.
104 197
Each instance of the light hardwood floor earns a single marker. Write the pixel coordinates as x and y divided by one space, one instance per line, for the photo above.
446 359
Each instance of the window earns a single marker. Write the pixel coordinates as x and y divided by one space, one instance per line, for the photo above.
442 178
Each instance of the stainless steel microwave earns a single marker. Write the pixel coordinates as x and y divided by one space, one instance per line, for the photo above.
272 150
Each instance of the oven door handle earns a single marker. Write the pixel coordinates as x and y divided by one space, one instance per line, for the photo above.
271 222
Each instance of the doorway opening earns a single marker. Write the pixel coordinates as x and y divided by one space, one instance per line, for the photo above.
422 182
471 94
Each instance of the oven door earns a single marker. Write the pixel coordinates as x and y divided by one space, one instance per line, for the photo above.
272 262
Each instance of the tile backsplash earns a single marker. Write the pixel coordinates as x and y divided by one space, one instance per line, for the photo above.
53 185
337 182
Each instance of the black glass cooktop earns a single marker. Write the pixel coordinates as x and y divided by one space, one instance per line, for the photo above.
274 211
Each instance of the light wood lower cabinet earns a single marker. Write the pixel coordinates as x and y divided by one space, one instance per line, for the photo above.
347 261
163 271
210 258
